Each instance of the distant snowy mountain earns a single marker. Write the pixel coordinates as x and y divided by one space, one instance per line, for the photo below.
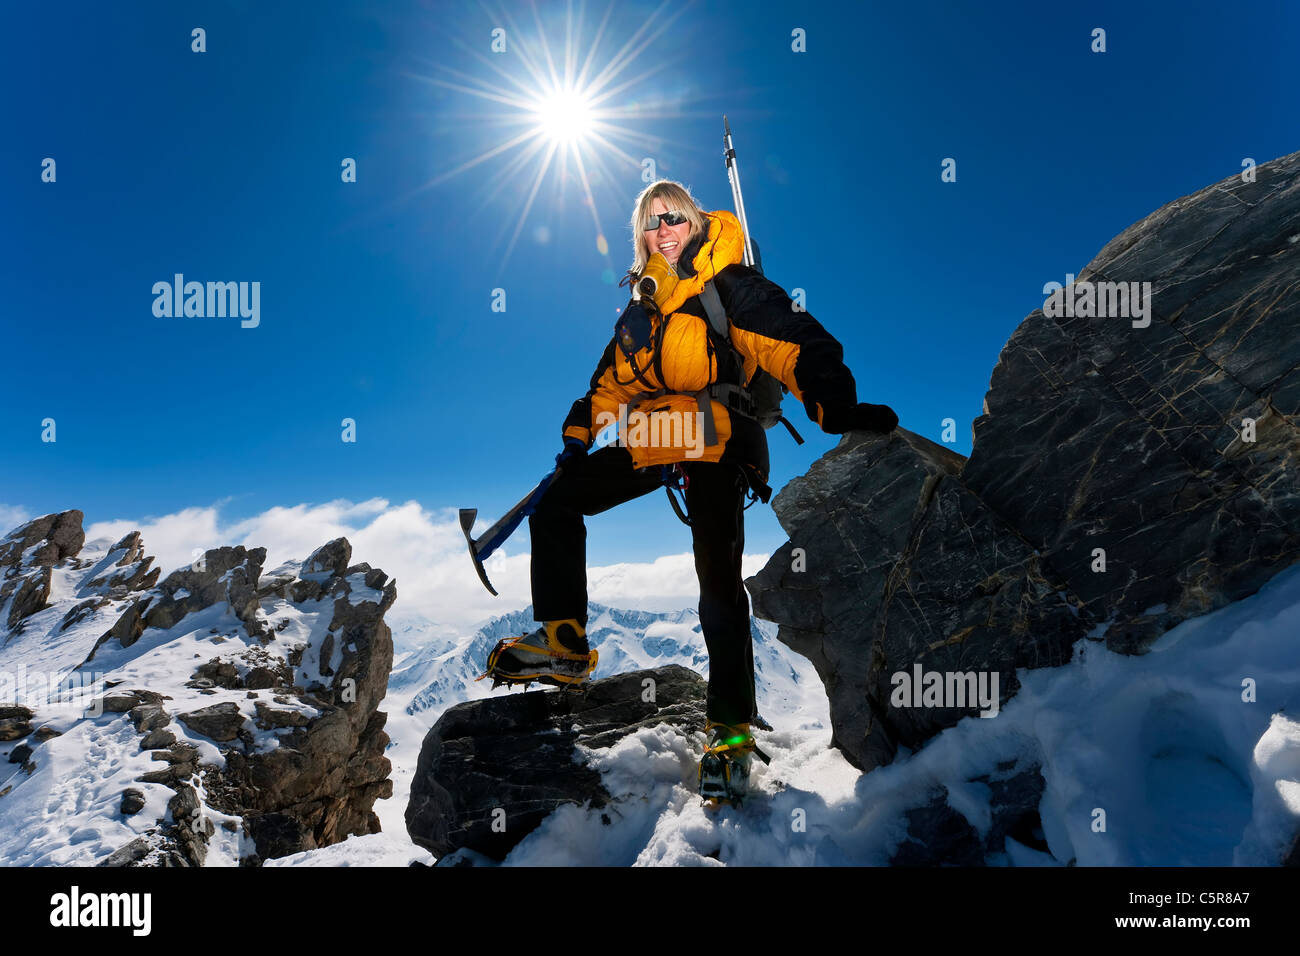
426 682
418 634
439 676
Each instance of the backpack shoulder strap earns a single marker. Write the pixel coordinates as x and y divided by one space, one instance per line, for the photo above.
719 325
712 303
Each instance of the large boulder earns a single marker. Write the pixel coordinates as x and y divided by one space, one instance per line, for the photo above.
1100 434
491 770
1129 472
893 562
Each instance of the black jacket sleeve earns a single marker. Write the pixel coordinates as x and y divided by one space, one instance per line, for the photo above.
786 342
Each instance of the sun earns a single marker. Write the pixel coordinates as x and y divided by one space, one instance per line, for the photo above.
565 116
584 112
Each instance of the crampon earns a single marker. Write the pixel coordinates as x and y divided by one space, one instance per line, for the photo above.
556 653
724 768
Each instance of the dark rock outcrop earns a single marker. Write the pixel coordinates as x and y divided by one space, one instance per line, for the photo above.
132 802
1126 475
120 572
938 835
892 561
1097 434
220 722
226 574
491 770
54 537
125 567
15 722
26 556
223 574
12 729
320 783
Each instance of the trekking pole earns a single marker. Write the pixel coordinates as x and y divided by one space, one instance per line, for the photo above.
733 177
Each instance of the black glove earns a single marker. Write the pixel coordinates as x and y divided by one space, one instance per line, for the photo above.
861 417
572 447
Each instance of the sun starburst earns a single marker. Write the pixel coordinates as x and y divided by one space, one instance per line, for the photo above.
546 112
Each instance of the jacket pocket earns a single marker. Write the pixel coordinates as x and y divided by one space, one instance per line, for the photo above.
671 428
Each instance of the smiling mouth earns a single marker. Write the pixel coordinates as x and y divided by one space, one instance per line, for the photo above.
667 247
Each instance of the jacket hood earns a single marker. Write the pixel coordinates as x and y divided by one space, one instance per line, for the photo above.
706 255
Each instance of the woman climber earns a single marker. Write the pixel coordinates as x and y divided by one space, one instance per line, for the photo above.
668 365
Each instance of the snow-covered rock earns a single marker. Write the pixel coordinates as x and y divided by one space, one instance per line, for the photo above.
491 771
208 719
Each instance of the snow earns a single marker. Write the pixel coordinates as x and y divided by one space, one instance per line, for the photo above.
1192 751
62 584
312 670
361 592
1186 770
66 814
1099 630
1275 778
374 849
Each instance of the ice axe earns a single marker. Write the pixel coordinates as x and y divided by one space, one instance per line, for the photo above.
481 548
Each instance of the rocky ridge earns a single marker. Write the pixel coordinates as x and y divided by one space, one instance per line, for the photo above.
273 735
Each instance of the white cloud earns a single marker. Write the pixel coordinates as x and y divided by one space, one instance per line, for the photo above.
171 539
12 517
423 549
667 583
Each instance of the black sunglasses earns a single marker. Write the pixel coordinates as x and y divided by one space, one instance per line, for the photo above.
667 218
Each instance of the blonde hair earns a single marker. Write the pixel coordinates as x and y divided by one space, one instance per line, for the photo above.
678 199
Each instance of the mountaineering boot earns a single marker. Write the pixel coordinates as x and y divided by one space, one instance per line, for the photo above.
555 653
724 768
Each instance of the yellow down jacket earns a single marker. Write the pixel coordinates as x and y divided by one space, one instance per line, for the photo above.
766 330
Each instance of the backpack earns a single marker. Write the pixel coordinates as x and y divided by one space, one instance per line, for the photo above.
760 399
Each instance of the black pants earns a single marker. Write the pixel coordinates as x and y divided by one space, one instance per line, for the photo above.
715 499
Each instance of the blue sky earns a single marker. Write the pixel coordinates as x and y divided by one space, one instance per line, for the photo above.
376 295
